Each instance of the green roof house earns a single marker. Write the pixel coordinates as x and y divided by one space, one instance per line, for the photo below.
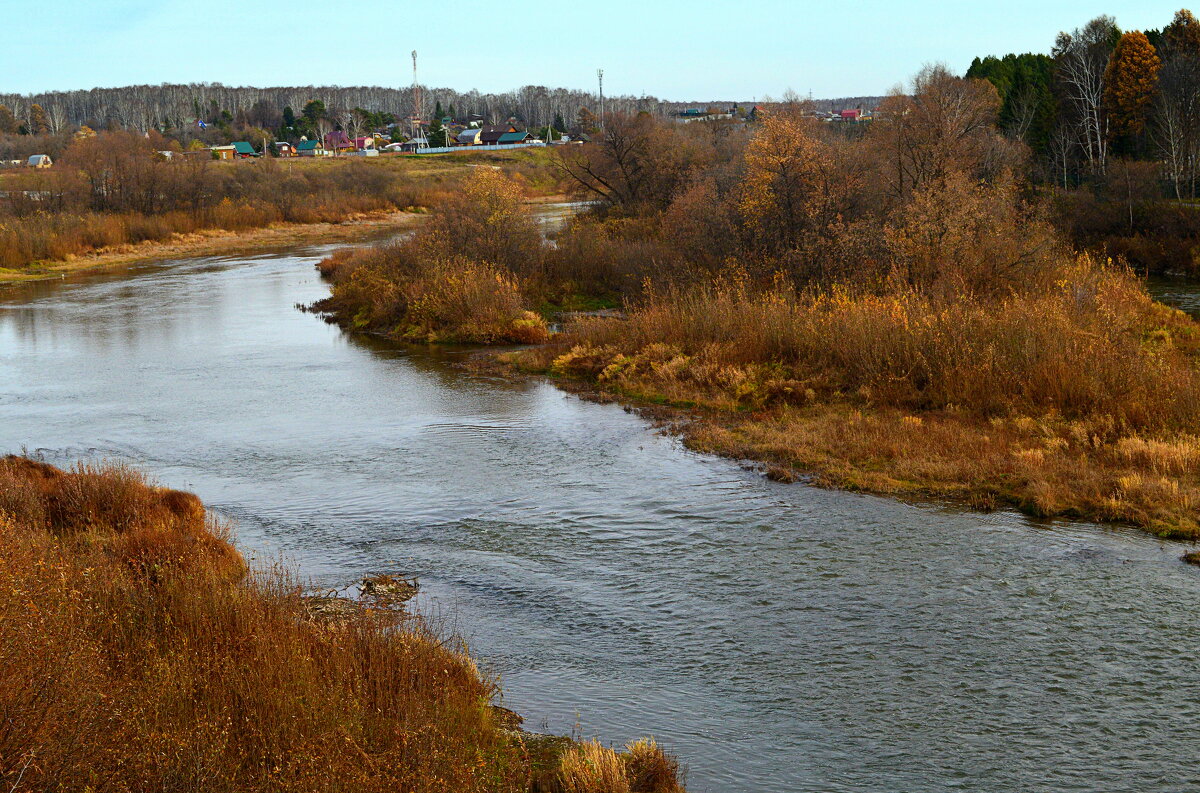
514 137
310 148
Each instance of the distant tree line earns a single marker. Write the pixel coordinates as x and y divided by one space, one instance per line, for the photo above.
172 109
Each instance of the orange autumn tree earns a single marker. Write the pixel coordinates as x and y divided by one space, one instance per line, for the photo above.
789 188
1130 80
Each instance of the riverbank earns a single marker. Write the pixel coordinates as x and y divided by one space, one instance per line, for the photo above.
357 228
216 242
1027 402
1069 392
87 210
138 648
1025 463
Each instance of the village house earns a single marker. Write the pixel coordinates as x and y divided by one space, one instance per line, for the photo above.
469 137
284 149
490 135
310 148
339 142
509 138
39 161
239 150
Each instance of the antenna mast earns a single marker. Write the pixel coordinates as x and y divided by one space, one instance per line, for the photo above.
600 77
415 124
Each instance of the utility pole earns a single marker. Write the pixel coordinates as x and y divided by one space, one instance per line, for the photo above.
600 77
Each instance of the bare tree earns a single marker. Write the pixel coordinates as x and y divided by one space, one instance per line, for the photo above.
1081 58
56 116
1023 104
1177 121
144 107
946 125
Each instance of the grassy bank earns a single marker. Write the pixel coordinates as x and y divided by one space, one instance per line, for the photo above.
113 191
1080 401
139 652
216 242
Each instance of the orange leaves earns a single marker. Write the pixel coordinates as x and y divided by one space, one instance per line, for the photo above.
788 187
1130 81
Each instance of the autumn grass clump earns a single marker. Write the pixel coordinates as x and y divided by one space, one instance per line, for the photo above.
591 767
1080 400
453 280
650 769
455 300
643 767
137 652
1093 346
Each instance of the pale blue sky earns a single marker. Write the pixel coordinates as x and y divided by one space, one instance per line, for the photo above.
669 48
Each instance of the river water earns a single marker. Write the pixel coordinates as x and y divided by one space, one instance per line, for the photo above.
778 637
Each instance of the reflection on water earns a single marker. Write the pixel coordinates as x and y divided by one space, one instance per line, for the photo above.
1182 293
779 637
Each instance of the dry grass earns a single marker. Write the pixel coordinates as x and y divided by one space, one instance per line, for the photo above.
1044 466
1094 346
455 300
452 282
59 235
651 770
232 196
136 653
1083 400
591 767
643 767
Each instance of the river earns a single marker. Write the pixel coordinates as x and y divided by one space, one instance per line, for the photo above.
777 637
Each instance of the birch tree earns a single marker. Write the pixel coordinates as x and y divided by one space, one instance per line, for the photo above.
1081 58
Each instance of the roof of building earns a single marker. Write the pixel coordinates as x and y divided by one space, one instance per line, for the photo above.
468 133
308 145
513 137
243 147
337 138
